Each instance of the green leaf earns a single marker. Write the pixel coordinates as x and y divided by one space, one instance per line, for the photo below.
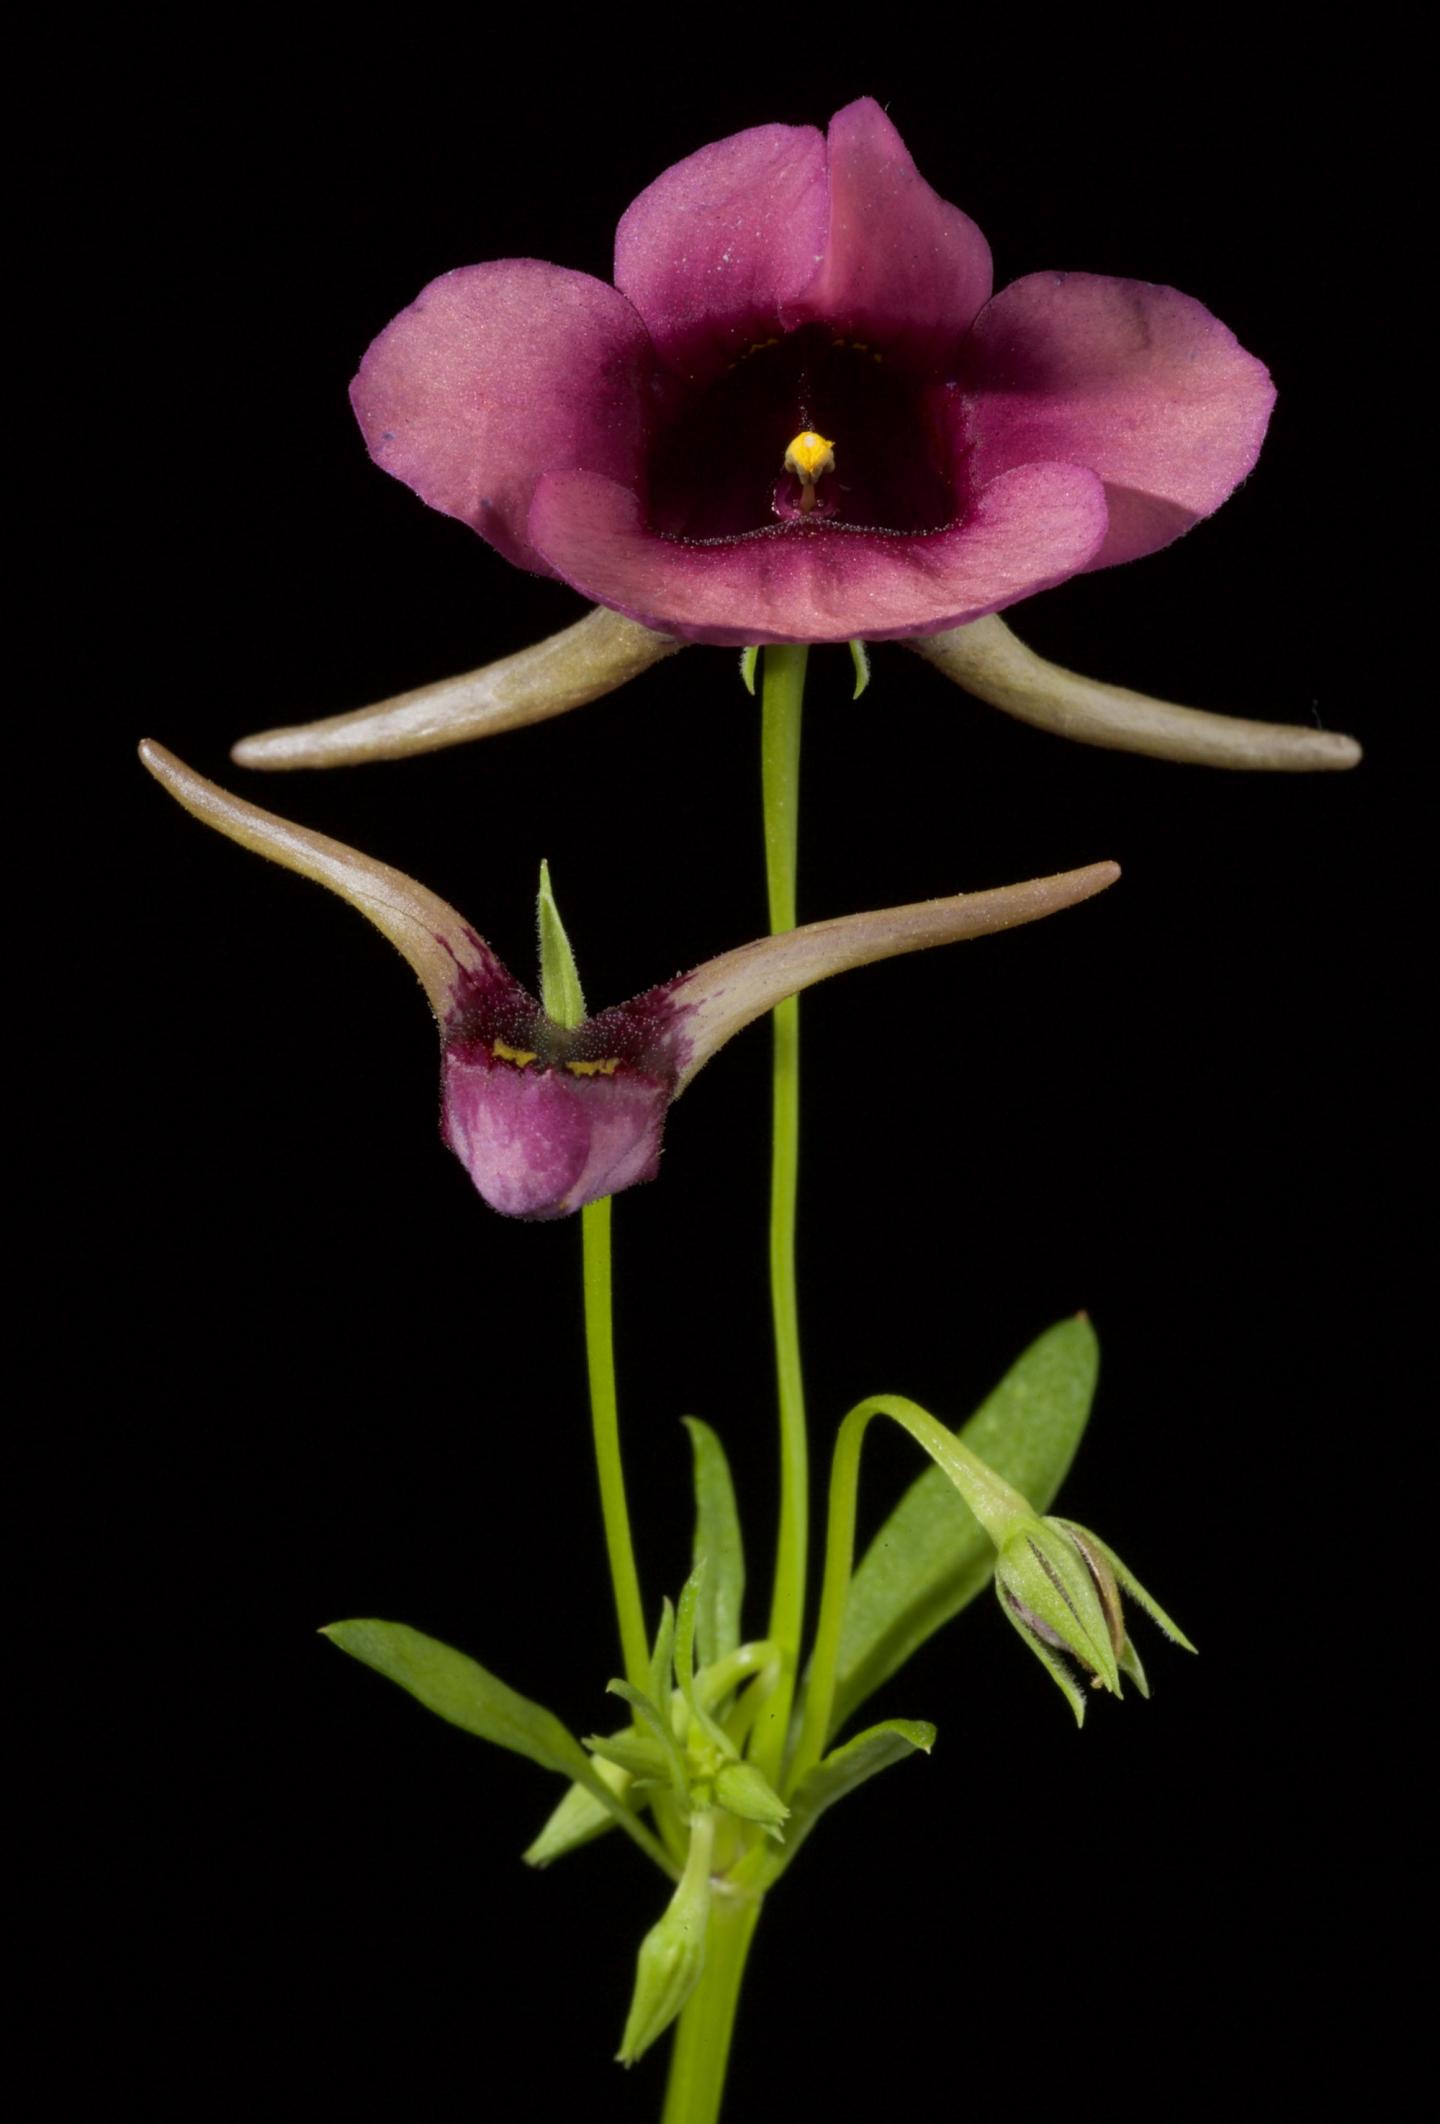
468 1695
717 1539
860 657
931 1557
579 1818
560 990
748 661
848 1766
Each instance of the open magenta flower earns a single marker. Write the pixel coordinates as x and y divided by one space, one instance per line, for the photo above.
546 1117
799 415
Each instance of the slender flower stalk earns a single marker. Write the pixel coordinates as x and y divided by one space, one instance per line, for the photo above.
605 1423
783 698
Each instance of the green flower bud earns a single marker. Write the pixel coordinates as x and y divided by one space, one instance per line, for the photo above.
744 1790
1060 1586
672 1953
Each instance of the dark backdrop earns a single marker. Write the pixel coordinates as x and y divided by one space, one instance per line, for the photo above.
335 1384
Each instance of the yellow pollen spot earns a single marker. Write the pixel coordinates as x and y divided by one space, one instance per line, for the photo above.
594 1069
809 456
522 1057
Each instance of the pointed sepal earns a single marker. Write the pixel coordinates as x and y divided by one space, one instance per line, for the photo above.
561 996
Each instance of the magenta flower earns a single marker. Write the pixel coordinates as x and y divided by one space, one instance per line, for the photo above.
800 415
544 1117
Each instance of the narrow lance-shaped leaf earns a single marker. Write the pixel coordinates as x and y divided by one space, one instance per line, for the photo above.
848 1766
931 1556
468 1695
718 1540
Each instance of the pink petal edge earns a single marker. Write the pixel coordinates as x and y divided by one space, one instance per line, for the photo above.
1029 529
1139 382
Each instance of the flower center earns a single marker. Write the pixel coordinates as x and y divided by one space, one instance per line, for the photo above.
713 469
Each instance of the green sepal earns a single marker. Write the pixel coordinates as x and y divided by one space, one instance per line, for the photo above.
1060 1668
560 991
469 1696
1133 1586
685 1660
650 1716
749 658
1047 1574
860 657
718 1540
931 1556
662 1659
579 1818
849 1766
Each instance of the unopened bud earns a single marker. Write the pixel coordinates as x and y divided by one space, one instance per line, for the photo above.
672 1953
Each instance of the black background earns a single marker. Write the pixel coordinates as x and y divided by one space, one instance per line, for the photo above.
333 1383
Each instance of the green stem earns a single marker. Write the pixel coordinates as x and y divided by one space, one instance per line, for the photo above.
605 1422
992 1500
784 687
696 2086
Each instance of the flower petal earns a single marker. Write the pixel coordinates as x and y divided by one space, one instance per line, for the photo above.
600 652
539 1143
1140 383
824 583
902 266
996 666
718 999
456 968
720 244
497 373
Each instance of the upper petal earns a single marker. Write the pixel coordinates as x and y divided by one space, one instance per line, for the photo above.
498 373
713 252
1027 530
1138 382
901 265
456 968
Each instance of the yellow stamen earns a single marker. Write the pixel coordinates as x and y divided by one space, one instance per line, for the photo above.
594 1069
809 457
522 1057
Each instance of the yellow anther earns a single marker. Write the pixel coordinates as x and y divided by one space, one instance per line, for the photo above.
594 1069
522 1057
808 457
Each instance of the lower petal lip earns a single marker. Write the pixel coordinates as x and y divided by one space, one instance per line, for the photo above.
1032 527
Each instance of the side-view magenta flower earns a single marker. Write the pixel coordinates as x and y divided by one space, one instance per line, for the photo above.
799 415
547 1117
